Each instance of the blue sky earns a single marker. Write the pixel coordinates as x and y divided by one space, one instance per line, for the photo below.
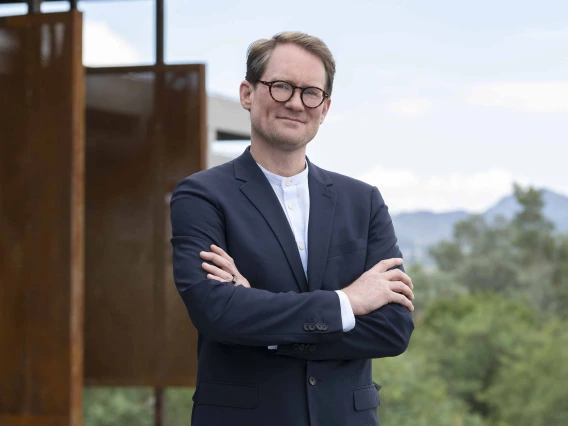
440 104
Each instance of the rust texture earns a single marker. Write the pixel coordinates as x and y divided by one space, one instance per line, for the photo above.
145 131
41 219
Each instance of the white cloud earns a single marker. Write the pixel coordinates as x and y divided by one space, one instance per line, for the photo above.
543 97
411 107
405 191
104 47
386 73
548 35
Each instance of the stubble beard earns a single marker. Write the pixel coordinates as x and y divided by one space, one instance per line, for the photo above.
280 143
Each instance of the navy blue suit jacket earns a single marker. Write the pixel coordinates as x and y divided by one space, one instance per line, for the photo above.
319 375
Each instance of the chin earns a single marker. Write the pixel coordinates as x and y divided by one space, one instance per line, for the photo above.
285 139
289 144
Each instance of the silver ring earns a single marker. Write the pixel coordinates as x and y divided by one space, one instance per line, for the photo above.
234 280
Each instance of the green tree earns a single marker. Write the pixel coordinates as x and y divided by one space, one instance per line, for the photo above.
531 389
104 406
533 232
432 285
118 406
413 394
521 258
560 275
467 339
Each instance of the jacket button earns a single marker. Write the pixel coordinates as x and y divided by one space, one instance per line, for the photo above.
295 346
313 381
301 347
324 327
312 326
307 327
319 326
312 348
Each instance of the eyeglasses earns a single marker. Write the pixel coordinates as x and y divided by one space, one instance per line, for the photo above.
282 91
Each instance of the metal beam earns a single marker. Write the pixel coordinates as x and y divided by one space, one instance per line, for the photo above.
159 32
159 407
34 6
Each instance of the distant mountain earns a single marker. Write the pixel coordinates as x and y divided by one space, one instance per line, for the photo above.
555 209
426 228
417 231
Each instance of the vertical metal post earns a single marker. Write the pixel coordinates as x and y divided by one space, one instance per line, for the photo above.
159 409
159 412
34 6
72 4
159 32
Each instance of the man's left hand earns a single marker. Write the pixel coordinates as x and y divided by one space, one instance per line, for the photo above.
225 267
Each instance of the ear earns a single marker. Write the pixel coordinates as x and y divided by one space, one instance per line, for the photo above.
325 108
246 91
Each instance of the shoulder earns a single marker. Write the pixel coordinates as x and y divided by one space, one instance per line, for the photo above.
344 181
352 191
204 185
211 178
212 175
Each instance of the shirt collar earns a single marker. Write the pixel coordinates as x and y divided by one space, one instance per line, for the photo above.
300 178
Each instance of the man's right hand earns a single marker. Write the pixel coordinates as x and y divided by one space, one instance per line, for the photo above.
379 286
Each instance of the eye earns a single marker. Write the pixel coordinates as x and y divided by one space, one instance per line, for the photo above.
313 92
281 85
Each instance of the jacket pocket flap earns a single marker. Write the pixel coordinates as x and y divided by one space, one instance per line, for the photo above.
227 394
347 247
366 398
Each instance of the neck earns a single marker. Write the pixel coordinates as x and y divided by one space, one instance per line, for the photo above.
282 163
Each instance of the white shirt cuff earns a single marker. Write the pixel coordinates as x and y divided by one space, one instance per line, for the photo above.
273 347
347 316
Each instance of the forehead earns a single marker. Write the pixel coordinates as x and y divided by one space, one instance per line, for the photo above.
295 64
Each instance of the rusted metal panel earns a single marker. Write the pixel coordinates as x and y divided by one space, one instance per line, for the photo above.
41 219
146 130
25 420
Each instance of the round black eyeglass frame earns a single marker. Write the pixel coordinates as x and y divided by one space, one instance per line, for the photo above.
302 90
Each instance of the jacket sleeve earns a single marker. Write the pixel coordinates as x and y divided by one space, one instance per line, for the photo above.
237 315
382 333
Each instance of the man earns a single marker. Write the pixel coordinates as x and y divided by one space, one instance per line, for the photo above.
286 270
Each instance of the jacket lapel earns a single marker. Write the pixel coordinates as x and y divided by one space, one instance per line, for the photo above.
259 192
322 210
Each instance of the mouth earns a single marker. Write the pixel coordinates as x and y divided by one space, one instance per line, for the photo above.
290 119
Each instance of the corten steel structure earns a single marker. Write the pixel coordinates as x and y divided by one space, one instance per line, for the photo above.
145 132
41 219
88 158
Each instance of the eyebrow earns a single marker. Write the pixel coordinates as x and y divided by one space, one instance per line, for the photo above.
291 82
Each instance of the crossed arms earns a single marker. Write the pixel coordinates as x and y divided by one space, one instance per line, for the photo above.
256 317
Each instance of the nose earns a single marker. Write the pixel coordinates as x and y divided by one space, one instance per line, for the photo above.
295 102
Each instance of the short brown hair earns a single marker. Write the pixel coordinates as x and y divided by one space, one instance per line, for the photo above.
259 53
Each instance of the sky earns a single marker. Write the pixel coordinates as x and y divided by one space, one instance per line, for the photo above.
440 104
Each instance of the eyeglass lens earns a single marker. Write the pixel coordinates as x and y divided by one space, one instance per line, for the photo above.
311 96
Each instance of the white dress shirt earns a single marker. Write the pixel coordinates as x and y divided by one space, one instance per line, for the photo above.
294 196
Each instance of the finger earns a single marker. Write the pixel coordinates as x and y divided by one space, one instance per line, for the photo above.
401 300
216 278
222 263
400 287
385 264
217 271
206 255
218 250
398 275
